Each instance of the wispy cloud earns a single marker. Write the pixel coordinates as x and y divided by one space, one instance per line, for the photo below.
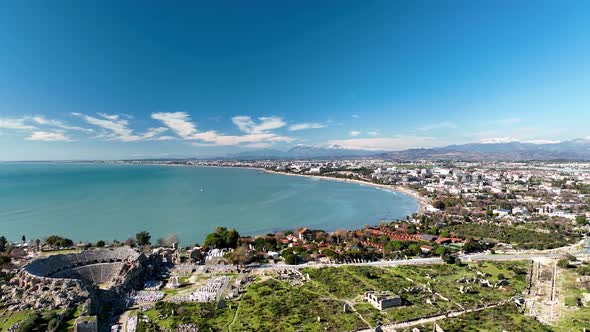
247 125
356 116
112 117
48 136
58 124
165 138
117 128
255 131
304 126
18 124
354 133
373 133
179 122
438 125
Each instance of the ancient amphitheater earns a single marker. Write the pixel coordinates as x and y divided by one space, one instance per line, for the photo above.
60 280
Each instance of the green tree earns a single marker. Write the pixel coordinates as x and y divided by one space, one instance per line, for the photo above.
4 260
414 249
100 244
581 220
143 238
222 238
240 256
441 251
290 257
3 243
471 246
563 263
449 259
394 246
439 205
58 241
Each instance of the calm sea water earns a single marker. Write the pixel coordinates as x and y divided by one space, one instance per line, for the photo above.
87 202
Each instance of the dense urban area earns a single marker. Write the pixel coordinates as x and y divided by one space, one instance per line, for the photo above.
494 246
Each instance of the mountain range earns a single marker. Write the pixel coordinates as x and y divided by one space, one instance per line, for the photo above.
576 149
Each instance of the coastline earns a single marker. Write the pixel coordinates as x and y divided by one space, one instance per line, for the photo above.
422 201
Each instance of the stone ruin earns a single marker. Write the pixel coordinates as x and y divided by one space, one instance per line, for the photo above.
292 276
92 275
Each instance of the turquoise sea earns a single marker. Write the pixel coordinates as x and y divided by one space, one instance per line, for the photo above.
88 202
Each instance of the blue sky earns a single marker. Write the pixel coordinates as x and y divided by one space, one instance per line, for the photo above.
132 79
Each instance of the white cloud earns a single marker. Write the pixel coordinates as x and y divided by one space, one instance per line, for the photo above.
58 124
153 132
256 132
48 137
356 116
438 125
215 138
247 125
304 126
387 143
354 133
18 124
116 128
112 117
179 122
165 138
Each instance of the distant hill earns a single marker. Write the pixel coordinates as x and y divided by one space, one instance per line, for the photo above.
303 152
577 149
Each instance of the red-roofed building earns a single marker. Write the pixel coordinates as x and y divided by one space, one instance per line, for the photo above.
305 234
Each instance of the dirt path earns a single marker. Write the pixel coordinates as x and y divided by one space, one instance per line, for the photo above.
401 325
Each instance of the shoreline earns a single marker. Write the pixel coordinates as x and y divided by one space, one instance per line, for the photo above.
422 201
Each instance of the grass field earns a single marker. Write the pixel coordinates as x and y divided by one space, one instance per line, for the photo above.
574 317
317 305
503 318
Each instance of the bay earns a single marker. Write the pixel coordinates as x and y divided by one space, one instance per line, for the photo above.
88 202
